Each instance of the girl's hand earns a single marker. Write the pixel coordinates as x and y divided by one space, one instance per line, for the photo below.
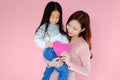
56 62
49 44
65 57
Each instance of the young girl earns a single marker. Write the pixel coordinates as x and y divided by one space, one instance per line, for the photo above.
79 34
49 31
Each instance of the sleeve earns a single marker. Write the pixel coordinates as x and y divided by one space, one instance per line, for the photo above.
84 56
38 38
65 39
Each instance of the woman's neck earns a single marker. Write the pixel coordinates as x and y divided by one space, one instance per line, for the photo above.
74 38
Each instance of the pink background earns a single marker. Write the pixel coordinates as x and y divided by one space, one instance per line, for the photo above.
20 58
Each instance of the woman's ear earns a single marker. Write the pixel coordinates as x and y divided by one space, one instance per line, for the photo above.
83 30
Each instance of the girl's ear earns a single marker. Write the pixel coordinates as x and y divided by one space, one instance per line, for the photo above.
83 30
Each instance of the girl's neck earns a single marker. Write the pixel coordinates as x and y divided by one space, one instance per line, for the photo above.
52 24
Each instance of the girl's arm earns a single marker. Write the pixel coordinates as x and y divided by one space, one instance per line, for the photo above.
39 37
84 57
39 42
65 39
54 63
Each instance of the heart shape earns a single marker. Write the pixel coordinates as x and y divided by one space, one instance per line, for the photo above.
60 47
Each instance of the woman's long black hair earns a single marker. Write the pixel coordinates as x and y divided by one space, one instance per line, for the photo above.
50 7
84 19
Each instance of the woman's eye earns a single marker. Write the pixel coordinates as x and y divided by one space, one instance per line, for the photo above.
75 29
69 26
52 17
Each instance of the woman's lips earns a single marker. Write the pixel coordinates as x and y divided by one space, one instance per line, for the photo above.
69 33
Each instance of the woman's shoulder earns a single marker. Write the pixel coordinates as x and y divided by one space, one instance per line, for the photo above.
80 42
84 42
81 46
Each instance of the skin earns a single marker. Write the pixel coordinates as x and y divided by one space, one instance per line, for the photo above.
54 17
74 29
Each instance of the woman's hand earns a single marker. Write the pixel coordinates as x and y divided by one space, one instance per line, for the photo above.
56 62
49 44
65 57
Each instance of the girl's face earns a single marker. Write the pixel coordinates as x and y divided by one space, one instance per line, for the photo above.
54 17
74 28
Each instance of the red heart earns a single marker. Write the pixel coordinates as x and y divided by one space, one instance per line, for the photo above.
60 47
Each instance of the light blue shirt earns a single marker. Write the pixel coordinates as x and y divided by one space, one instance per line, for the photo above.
52 35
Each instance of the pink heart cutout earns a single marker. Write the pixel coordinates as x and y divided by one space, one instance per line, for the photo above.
60 47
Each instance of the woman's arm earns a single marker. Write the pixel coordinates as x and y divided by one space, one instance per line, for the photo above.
54 63
84 57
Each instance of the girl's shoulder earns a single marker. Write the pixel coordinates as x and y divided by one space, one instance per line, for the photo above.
42 27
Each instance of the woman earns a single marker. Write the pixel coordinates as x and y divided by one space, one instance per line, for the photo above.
79 34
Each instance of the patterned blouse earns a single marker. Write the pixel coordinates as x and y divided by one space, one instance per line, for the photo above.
51 35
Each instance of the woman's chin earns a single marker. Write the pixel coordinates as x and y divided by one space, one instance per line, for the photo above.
70 35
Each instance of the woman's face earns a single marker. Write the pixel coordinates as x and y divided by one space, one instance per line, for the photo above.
74 28
54 17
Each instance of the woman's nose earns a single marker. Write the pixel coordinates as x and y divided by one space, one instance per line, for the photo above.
70 29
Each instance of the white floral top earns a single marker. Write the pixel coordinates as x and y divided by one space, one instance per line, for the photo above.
52 35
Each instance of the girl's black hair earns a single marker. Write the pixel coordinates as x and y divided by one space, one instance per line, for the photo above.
50 7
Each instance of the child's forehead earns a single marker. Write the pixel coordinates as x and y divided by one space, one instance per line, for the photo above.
55 12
